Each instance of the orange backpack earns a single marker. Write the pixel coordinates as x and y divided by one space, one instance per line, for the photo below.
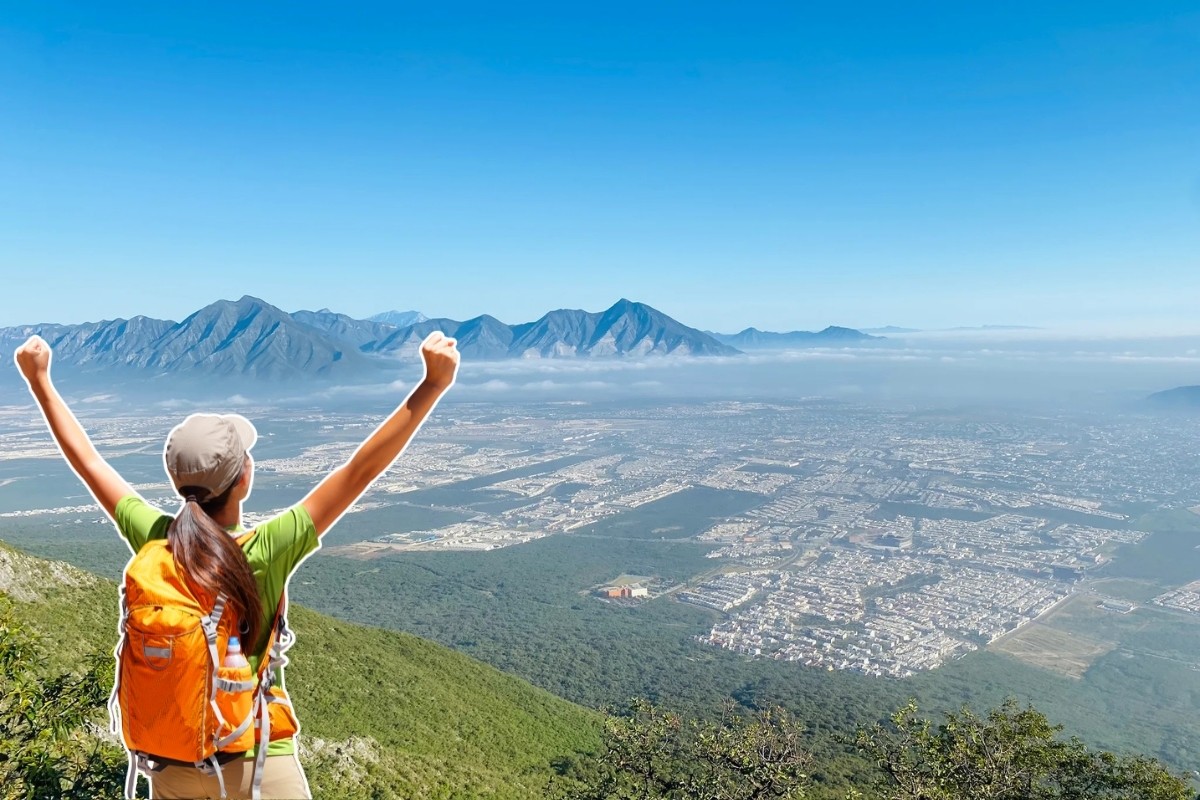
172 699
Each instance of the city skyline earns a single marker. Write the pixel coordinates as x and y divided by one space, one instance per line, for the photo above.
782 168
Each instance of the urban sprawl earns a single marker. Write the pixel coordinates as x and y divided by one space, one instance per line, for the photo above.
875 541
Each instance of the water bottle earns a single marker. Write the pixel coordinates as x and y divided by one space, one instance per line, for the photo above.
233 655
235 694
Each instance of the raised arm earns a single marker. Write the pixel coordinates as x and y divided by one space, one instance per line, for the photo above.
326 503
33 360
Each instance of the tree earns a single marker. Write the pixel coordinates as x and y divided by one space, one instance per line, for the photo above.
651 754
1011 754
48 742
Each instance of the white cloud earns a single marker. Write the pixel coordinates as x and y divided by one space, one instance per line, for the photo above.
567 366
100 398
398 387
827 371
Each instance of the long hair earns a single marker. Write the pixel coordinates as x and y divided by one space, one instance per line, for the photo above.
212 560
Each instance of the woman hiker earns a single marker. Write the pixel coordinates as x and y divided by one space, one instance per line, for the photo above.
208 460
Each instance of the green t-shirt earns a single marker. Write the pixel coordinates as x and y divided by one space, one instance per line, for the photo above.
274 552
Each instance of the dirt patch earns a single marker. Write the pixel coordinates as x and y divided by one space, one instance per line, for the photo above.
348 760
1067 654
364 551
12 580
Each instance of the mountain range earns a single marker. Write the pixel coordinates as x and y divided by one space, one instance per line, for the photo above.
754 339
250 338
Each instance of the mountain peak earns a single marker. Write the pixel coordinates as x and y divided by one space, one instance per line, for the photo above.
624 304
399 319
248 337
245 303
251 300
626 328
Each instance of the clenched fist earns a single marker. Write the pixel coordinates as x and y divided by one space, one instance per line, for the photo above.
441 359
33 358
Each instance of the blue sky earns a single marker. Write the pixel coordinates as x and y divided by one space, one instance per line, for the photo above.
731 165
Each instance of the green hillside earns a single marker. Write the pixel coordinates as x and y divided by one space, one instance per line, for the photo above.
384 714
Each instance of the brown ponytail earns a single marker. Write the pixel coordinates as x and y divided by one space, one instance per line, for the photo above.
213 561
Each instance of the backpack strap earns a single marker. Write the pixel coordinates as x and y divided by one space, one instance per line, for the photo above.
209 623
274 659
216 767
234 686
220 683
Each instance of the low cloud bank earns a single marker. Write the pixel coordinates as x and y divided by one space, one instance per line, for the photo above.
902 370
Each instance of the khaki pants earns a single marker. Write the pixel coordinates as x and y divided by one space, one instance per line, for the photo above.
283 779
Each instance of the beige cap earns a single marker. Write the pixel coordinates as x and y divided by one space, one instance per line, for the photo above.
208 451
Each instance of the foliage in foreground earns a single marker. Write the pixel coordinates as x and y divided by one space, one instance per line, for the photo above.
653 753
1012 753
46 747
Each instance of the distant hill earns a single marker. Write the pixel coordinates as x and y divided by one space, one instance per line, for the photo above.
752 338
246 338
1182 397
250 338
384 714
482 337
398 319
626 328
356 333
107 343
